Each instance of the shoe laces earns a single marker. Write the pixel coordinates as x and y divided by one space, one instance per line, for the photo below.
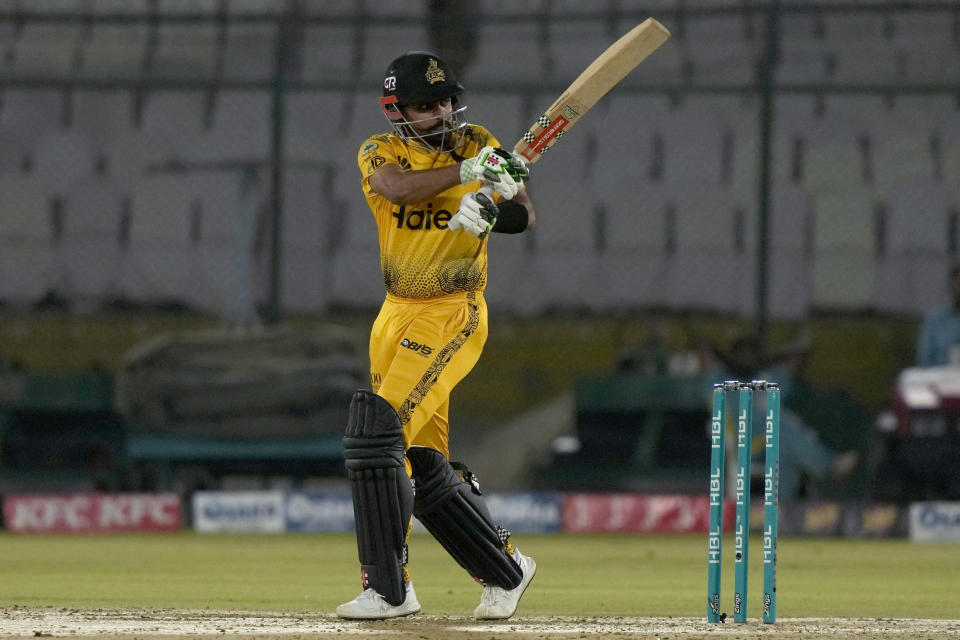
369 594
490 595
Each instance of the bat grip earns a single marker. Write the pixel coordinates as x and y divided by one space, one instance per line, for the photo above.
486 190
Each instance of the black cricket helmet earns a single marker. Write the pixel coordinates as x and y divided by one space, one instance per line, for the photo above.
420 77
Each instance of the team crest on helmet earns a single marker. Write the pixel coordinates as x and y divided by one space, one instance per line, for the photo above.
434 72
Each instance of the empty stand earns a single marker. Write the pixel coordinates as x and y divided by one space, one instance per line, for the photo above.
236 111
102 115
712 240
164 216
224 207
789 258
180 118
500 45
844 250
63 159
915 255
90 247
27 114
573 43
46 48
310 224
637 247
115 50
250 52
332 51
499 113
26 240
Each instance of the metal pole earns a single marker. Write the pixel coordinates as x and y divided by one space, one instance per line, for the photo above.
766 70
277 168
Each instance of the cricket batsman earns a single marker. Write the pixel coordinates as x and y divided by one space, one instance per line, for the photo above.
422 182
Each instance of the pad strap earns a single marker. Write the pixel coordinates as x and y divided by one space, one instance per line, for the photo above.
455 514
373 450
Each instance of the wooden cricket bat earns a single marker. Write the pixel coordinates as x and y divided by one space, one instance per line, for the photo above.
593 83
603 74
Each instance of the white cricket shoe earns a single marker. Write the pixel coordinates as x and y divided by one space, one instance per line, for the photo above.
497 603
370 605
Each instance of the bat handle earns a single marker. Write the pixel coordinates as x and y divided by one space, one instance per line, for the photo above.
486 190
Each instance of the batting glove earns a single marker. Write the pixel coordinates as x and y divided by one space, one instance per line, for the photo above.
516 165
477 214
491 168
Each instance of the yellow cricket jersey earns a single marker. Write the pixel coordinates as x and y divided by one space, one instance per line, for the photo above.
420 258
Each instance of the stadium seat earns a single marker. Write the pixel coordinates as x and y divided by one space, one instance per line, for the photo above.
790 233
222 239
899 155
915 255
923 31
355 278
135 154
13 155
502 41
27 114
844 250
186 50
940 66
331 52
499 113
26 240
178 117
635 154
115 50
250 52
851 30
635 256
310 229
47 48
240 131
573 42
951 162
693 145
90 246
719 49
802 62
163 220
869 63
714 242
102 115
311 136
64 159
834 166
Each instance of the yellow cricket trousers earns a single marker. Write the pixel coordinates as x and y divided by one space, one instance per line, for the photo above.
419 351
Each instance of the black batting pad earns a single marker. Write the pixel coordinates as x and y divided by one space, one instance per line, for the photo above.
382 493
458 518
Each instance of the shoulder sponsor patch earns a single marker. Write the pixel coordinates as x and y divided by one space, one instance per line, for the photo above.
375 163
368 148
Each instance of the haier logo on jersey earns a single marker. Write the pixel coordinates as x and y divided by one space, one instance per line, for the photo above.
419 219
422 349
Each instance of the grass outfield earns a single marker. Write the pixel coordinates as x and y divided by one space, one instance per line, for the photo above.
577 575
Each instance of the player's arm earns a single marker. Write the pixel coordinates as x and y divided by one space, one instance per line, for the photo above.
410 187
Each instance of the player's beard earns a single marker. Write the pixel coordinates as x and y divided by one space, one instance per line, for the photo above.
440 137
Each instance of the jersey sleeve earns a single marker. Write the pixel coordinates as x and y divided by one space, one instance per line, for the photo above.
375 152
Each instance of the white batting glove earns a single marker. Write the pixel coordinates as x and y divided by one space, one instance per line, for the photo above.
491 168
477 214
516 165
